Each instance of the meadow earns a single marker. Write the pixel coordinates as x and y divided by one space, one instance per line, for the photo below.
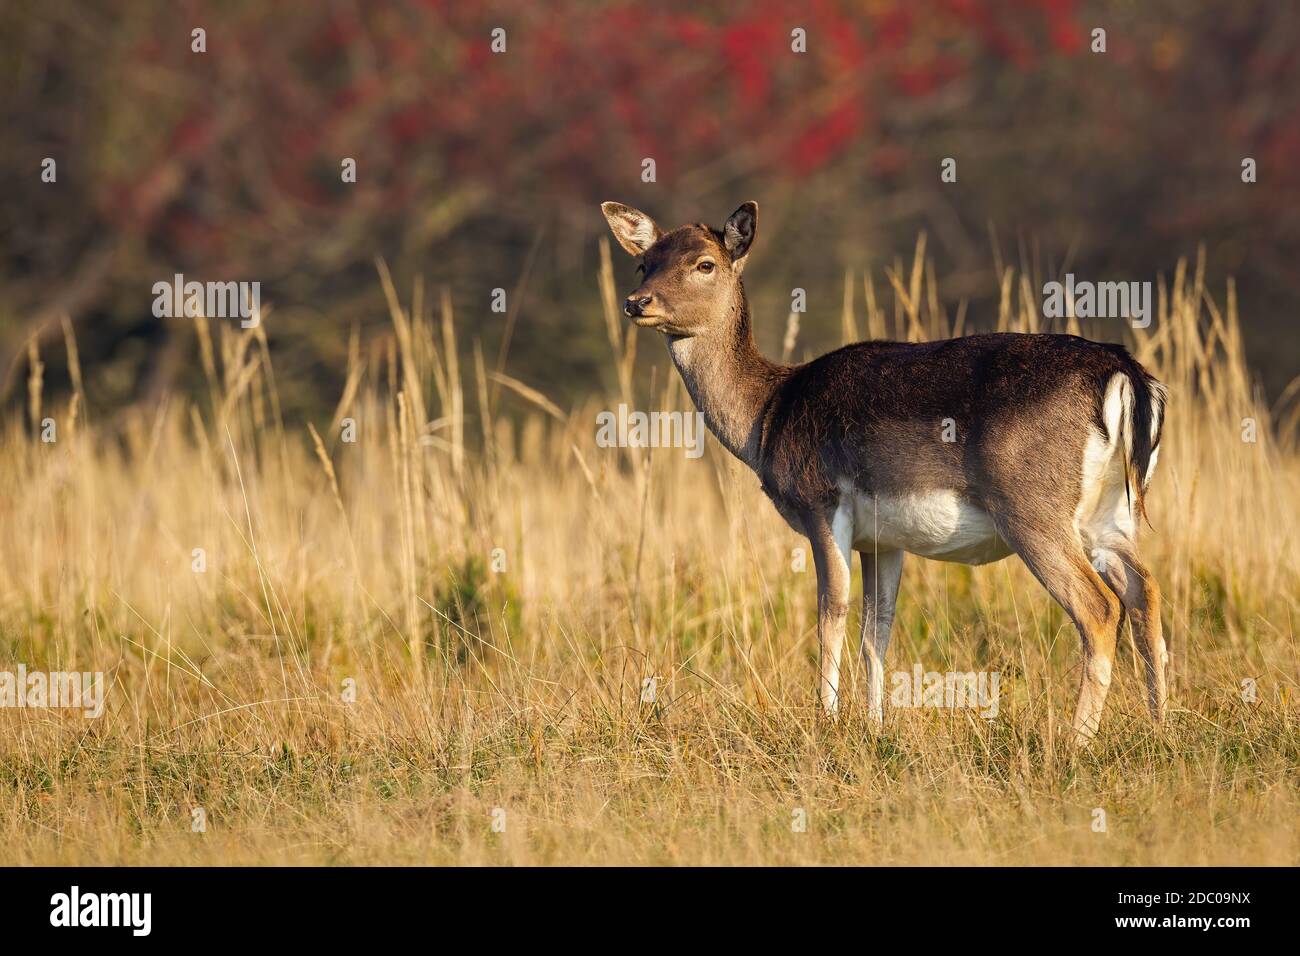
431 643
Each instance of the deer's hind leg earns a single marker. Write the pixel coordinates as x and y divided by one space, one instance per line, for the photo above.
1053 555
1108 528
1124 572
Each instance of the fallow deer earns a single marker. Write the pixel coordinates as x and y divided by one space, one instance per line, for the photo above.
1053 442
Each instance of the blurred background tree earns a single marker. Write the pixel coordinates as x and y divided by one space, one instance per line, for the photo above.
478 170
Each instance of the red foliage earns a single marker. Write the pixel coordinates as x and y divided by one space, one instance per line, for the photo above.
391 83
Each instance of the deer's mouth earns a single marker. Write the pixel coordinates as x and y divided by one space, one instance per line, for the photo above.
656 323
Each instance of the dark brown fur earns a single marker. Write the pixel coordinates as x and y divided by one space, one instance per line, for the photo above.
874 413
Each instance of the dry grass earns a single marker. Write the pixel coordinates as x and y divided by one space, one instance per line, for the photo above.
520 690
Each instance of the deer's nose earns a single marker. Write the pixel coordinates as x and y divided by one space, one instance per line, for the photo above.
636 304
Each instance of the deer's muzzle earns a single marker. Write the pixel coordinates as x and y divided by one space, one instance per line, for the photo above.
636 304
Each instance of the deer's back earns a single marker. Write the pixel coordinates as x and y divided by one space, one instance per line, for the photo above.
967 415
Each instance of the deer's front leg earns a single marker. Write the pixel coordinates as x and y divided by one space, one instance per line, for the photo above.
830 546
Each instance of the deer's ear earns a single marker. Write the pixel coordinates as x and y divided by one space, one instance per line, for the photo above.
635 231
738 233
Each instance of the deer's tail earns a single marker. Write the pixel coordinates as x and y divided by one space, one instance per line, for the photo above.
1133 410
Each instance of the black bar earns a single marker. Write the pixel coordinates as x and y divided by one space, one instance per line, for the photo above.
333 906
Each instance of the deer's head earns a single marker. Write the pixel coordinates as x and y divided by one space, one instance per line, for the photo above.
691 276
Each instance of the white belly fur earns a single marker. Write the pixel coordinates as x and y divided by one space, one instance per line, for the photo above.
933 524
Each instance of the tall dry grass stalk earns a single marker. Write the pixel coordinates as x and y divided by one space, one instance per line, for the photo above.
498 589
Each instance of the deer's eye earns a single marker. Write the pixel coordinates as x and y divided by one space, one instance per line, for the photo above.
706 266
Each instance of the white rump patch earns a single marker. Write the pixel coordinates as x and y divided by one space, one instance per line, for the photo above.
1105 515
1116 406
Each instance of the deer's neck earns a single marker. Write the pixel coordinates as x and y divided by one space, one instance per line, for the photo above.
729 380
